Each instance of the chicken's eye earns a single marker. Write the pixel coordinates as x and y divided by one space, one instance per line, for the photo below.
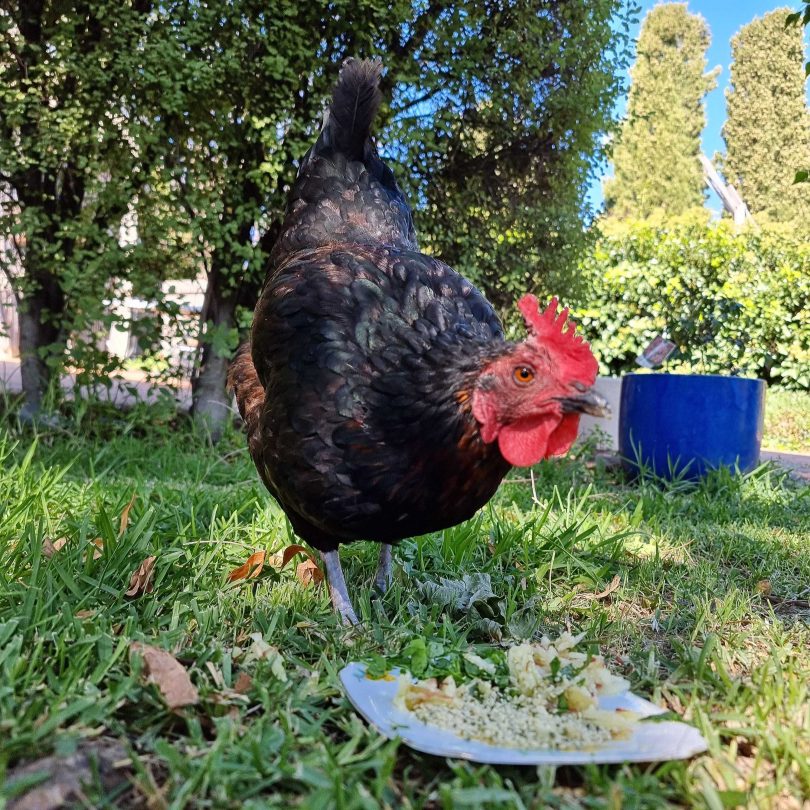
523 375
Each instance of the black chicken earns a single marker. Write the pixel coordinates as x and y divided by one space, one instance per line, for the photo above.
380 398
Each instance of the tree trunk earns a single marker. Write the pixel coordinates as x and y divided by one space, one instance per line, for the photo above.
40 314
210 403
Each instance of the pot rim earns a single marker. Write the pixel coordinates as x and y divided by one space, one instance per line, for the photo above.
664 374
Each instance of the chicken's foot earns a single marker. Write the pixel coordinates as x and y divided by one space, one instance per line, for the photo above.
337 588
383 577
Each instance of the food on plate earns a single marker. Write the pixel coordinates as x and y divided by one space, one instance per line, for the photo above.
550 699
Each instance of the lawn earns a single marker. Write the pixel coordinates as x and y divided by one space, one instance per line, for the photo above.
787 421
710 620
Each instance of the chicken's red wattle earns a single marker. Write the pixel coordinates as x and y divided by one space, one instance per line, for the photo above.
530 440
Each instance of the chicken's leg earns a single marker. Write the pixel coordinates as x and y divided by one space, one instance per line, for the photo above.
337 588
382 579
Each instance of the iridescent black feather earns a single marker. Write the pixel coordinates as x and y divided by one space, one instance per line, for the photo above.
355 101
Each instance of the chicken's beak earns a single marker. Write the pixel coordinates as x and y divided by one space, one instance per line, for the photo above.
589 401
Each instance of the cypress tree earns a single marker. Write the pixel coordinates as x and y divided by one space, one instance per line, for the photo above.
767 129
656 156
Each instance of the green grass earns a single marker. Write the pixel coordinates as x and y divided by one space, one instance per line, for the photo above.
688 626
787 421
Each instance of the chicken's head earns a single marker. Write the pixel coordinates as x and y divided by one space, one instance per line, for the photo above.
530 399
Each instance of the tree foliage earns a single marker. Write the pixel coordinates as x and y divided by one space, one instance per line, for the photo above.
656 165
192 117
732 302
70 162
767 129
499 160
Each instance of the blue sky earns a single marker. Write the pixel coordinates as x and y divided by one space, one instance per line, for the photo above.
725 18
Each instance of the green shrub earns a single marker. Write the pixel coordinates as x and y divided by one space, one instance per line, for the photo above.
733 303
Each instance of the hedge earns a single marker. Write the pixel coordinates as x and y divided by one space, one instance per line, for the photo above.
735 303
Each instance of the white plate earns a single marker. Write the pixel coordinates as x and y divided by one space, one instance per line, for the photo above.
650 742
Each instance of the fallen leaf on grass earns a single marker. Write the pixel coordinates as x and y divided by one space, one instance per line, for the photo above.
614 584
141 580
125 515
251 569
50 547
98 549
166 672
60 781
285 556
243 683
260 650
673 702
308 572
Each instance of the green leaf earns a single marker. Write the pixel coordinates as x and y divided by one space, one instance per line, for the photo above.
416 652
376 666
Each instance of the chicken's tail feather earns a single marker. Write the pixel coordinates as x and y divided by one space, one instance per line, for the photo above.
244 382
355 101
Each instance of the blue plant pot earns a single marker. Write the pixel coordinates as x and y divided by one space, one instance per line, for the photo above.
683 425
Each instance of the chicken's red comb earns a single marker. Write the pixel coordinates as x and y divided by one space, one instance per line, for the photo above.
549 328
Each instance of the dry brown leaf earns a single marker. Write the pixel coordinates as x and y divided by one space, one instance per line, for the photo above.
308 572
291 551
125 515
251 569
99 547
242 636
216 674
243 683
281 558
50 547
60 780
166 672
141 580
614 584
